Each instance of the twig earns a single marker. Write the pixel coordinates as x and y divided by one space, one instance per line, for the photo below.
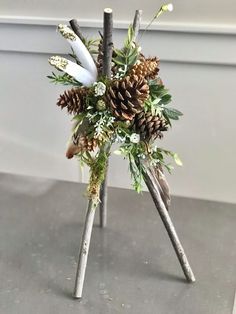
107 42
136 23
75 26
106 69
88 226
103 202
152 184
84 249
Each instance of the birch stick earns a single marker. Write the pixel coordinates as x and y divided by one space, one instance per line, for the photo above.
75 26
106 69
84 249
136 22
152 184
107 58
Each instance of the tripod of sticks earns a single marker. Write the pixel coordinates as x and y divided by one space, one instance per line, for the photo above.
149 176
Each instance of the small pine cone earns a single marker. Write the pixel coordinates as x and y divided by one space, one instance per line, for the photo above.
149 126
147 68
85 143
126 97
73 100
81 143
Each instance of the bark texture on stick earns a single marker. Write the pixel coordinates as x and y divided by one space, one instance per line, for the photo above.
136 22
152 184
84 249
107 42
103 202
75 26
106 70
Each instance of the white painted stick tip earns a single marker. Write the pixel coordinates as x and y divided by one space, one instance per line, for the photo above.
108 10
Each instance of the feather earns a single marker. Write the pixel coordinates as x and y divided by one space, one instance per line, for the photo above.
79 49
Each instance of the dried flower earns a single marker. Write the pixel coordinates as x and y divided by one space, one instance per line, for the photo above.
101 105
167 7
100 88
135 138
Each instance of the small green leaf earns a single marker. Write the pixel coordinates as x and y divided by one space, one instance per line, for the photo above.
172 113
119 53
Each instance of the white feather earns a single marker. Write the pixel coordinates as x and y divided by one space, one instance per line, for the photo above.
79 49
76 71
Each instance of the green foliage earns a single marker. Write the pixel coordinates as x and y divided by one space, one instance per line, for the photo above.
158 155
102 125
97 166
63 79
97 172
133 152
171 113
158 101
158 91
97 121
127 56
91 45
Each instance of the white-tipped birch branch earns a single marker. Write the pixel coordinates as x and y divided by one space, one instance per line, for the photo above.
79 49
76 71
84 249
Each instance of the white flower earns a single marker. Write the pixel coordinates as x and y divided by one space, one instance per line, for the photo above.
100 88
168 7
134 138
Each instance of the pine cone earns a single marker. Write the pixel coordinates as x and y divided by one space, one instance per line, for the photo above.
147 68
126 97
73 100
149 126
81 143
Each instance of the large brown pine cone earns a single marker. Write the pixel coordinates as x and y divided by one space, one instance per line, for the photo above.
73 100
149 126
126 97
147 68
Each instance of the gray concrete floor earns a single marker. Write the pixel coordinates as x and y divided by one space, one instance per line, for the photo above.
132 267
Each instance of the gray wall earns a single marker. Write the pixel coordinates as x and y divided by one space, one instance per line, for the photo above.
197 46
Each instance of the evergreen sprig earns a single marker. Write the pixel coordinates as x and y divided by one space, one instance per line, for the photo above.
63 79
126 57
159 100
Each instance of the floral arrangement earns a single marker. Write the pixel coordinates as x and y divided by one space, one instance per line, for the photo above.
130 108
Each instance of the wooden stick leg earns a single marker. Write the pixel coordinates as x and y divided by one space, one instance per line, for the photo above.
103 204
150 180
84 249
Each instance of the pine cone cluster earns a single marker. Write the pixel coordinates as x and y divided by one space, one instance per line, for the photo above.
147 68
126 97
149 126
73 100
